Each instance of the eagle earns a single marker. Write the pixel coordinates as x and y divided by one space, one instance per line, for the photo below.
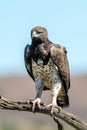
47 64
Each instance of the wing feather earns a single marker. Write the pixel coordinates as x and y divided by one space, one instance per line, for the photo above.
59 57
27 59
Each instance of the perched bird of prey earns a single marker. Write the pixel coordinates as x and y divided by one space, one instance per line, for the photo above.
47 65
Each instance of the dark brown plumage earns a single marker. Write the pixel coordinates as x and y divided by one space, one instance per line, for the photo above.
48 66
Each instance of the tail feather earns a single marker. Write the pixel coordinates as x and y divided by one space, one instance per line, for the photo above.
63 99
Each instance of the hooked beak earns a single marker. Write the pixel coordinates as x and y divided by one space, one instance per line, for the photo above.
34 34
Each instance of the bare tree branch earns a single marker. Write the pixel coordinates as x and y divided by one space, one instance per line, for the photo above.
60 127
69 118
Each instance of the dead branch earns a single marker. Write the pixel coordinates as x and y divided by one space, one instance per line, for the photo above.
69 118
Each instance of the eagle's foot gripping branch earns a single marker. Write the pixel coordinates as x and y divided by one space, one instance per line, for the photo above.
35 103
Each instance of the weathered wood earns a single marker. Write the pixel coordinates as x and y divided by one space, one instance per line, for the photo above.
69 118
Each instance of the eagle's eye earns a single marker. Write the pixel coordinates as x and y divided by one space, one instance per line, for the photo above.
39 32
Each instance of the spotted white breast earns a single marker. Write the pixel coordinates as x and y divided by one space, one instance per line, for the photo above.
45 72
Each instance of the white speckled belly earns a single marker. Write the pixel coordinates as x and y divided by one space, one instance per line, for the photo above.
44 71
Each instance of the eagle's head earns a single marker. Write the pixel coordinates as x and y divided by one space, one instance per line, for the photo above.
39 33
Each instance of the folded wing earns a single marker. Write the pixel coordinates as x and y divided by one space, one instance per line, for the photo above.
28 61
59 57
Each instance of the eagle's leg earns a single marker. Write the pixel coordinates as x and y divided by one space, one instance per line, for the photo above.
54 105
55 92
39 89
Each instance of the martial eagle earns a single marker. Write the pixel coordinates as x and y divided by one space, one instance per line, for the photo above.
47 65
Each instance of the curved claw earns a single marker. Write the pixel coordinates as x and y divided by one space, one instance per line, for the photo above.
52 106
35 102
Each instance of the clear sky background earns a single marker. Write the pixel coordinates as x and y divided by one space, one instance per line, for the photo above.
65 20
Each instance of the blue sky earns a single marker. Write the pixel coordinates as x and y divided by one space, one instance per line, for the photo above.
66 22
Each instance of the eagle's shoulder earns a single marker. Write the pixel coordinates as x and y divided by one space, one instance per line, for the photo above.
58 49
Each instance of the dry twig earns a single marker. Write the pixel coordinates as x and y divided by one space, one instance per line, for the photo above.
69 118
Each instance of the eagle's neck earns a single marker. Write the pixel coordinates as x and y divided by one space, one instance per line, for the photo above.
40 50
